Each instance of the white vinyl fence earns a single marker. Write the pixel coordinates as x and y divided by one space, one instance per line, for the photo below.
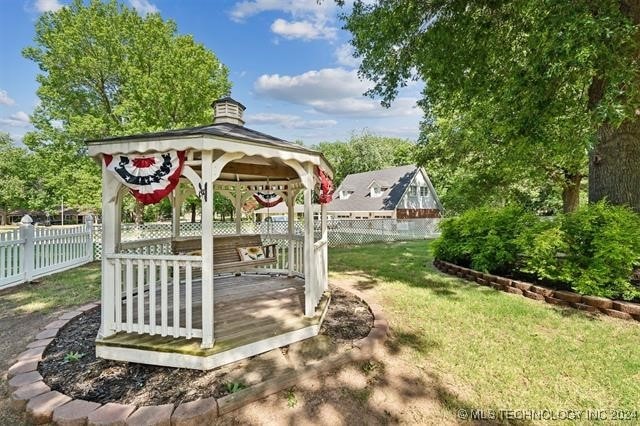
30 252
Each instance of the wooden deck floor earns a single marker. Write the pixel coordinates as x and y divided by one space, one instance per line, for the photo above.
247 309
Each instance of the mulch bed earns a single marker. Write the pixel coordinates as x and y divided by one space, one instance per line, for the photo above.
95 379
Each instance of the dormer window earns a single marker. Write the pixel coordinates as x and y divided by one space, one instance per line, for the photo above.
376 188
345 194
375 191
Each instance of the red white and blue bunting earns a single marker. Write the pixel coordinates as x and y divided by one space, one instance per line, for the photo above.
268 199
326 186
150 177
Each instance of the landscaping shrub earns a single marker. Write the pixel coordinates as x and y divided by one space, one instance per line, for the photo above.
486 239
593 250
599 247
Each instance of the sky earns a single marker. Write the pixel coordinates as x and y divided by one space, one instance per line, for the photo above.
290 64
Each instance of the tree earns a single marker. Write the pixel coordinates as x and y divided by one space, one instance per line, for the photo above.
532 86
14 169
223 206
365 152
107 71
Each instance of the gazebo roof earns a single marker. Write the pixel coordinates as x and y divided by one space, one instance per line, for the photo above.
226 130
201 137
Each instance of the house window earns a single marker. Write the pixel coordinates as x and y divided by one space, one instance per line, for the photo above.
424 191
413 190
344 195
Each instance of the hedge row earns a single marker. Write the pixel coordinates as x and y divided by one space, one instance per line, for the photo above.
594 251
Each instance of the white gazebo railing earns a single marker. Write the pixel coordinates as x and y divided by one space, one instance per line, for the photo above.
148 287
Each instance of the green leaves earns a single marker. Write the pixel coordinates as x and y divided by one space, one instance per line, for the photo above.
107 71
594 250
509 87
366 152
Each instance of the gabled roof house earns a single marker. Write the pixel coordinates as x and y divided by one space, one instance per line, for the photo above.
403 192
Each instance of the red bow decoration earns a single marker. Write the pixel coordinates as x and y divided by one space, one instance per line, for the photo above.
326 186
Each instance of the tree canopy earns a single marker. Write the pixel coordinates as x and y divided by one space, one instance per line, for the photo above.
514 91
365 152
107 71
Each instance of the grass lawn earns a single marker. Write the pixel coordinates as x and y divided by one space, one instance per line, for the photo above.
501 351
495 350
70 288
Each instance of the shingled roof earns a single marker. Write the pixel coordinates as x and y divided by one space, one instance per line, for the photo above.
397 179
227 130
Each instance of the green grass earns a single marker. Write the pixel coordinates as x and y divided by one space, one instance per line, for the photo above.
495 350
501 351
69 288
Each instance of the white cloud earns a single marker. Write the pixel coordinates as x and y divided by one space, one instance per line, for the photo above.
305 30
344 56
296 8
19 119
332 91
5 99
47 5
287 121
311 20
144 7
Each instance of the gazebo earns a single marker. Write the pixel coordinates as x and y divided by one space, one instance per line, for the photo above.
206 300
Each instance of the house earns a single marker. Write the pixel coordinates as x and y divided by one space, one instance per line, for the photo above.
403 192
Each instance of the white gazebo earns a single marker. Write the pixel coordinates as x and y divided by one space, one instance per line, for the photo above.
210 299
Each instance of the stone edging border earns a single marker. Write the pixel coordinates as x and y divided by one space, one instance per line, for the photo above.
613 308
42 405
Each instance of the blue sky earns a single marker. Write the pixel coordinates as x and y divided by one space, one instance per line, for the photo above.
290 65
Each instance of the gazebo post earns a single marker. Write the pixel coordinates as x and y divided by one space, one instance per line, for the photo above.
325 248
110 241
207 249
309 240
177 198
291 201
238 208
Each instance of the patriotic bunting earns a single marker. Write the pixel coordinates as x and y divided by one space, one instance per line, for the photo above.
268 199
150 177
326 186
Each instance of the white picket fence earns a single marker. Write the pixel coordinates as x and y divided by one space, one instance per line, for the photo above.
30 252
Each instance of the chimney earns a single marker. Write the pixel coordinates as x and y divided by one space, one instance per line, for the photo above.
227 110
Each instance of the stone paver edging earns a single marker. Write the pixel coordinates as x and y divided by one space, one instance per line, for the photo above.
613 308
43 405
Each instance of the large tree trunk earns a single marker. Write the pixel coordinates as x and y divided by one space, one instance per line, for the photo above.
571 193
614 166
193 213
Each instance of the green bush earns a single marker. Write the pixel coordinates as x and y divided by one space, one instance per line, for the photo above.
602 249
486 239
593 250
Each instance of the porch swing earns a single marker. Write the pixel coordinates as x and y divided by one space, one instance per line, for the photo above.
236 253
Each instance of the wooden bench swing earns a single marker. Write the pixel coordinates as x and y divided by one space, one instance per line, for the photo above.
225 251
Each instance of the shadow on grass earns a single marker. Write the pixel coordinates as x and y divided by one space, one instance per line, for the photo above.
417 342
405 262
76 286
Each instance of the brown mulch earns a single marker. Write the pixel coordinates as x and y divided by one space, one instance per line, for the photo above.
94 379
